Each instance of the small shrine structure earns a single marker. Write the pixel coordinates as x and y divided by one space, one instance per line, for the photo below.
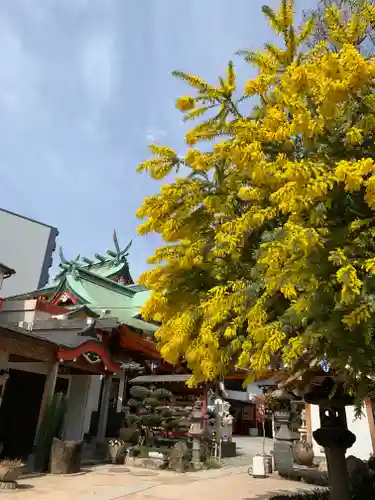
83 335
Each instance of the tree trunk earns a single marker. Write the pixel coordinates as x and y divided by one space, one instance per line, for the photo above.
66 457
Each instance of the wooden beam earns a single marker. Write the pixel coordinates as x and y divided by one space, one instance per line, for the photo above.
308 424
44 306
130 340
104 406
82 367
49 390
4 359
371 420
32 349
120 394
32 366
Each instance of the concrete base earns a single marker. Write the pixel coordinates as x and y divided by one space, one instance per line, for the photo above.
197 466
8 485
228 449
101 450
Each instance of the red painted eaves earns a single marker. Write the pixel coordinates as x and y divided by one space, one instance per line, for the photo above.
44 306
69 354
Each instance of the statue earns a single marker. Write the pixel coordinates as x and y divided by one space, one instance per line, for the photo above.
227 423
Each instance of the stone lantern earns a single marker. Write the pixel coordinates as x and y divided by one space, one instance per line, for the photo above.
285 437
196 431
333 433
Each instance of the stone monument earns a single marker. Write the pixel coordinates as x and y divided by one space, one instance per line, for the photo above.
285 437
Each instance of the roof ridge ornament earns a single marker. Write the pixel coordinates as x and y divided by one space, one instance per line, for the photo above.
68 265
117 256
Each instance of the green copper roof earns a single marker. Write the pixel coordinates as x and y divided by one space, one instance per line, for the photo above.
140 296
34 293
102 269
108 298
89 283
102 265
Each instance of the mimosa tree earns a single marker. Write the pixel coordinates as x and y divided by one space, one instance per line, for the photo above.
269 227
348 9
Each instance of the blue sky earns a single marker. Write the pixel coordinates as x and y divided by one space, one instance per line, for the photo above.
85 85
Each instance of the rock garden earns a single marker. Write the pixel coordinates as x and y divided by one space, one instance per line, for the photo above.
160 436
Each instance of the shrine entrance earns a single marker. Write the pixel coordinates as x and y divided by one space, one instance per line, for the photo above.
19 413
22 396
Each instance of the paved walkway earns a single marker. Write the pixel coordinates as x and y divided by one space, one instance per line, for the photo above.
108 482
247 448
117 483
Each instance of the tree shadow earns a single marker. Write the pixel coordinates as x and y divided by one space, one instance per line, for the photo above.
282 493
32 475
24 487
35 475
82 472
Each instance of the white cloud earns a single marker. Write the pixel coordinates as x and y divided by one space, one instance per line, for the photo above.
19 72
98 67
154 135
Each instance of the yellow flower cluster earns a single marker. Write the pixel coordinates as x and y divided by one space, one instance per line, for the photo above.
185 103
270 231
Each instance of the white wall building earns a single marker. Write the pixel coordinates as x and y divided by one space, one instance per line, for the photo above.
363 429
27 246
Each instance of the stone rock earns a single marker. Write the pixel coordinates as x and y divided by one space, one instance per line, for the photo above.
322 467
153 463
129 435
129 460
357 469
146 463
156 454
311 475
178 457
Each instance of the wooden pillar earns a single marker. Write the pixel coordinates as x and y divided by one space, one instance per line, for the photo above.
4 357
104 405
49 389
309 436
371 421
120 394
218 436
